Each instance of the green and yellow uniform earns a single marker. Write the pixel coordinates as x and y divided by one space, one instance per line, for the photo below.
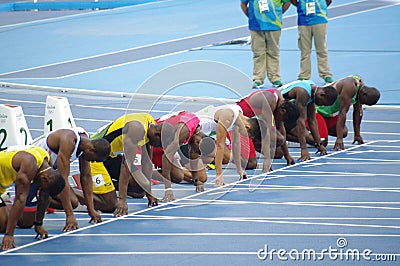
112 132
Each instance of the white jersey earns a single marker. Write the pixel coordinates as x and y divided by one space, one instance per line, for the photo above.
42 143
207 122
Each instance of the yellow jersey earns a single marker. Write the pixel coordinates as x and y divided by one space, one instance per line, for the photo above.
113 131
8 174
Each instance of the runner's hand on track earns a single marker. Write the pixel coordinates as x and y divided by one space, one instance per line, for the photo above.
95 217
305 155
152 201
168 196
322 150
41 232
199 186
290 160
121 208
70 224
219 181
8 242
358 139
338 145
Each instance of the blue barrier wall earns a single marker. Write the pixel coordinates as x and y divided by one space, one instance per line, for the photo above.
24 6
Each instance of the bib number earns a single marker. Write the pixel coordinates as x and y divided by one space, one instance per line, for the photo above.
310 8
98 180
263 4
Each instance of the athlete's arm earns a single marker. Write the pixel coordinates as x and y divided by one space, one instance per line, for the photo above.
169 152
147 169
132 132
312 123
263 102
302 98
42 205
27 169
357 117
266 115
147 165
223 118
281 128
66 146
236 151
346 93
87 187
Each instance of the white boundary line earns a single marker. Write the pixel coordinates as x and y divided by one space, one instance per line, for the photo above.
335 173
313 187
365 159
229 234
130 253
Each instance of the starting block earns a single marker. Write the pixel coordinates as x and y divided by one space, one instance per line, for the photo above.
13 127
58 114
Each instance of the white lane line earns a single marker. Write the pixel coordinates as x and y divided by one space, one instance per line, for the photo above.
338 173
325 205
266 220
365 159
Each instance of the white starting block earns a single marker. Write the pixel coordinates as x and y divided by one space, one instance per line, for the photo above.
58 114
13 127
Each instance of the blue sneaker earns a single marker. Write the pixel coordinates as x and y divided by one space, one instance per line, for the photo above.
257 85
277 83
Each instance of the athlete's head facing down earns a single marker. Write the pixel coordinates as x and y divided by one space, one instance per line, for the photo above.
50 181
369 95
290 113
161 135
208 149
98 151
325 96
253 128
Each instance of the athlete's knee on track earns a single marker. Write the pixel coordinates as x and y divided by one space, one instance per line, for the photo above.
136 191
251 163
278 153
177 179
136 195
